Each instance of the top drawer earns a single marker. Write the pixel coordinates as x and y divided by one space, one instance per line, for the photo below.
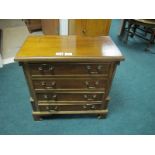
46 69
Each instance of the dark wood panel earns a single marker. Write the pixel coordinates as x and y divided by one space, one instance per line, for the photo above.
70 96
69 49
73 107
69 69
74 84
70 83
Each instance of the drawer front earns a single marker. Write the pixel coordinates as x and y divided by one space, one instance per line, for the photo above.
81 107
69 83
68 68
69 96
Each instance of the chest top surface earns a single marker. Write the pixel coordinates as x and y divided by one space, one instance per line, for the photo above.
44 48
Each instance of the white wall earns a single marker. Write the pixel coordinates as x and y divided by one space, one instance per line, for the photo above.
63 26
62 31
1 64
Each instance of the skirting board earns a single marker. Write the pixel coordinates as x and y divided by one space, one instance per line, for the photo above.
7 61
1 63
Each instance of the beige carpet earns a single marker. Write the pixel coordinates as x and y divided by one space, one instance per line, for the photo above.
13 38
7 23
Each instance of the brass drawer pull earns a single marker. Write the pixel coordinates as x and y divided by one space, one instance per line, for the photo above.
90 99
89 106
51 68
53 108
56 107
98 69
46 67
47 107
92 107
53 97
40 68
45 96
94 96
51 86
91 87
89 68
84 106
43 83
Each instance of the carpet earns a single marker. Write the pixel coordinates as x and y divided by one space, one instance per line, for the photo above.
13 38
131 108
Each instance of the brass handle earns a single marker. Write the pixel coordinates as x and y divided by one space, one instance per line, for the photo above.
43 83
89 105
47 108
53 108
56 108
85 107
42 67
90 99
54 97
85 96
94 96
53 83
99 67
46 67
51 68
89 68
91 87
45 96
92 107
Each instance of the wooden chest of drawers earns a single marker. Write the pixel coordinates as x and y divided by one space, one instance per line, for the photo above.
69 74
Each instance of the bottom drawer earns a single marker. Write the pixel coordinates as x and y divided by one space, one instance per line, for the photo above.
68 107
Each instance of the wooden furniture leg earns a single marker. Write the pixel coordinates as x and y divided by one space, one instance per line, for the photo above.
101 116
37 117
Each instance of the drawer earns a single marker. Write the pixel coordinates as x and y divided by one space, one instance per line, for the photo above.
80 107
47 69
71 96
70 83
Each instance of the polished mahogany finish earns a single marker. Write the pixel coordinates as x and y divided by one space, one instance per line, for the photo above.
62 83
54 69
70 107
68 48
69 74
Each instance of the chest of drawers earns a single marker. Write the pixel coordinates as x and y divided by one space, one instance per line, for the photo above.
69 75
